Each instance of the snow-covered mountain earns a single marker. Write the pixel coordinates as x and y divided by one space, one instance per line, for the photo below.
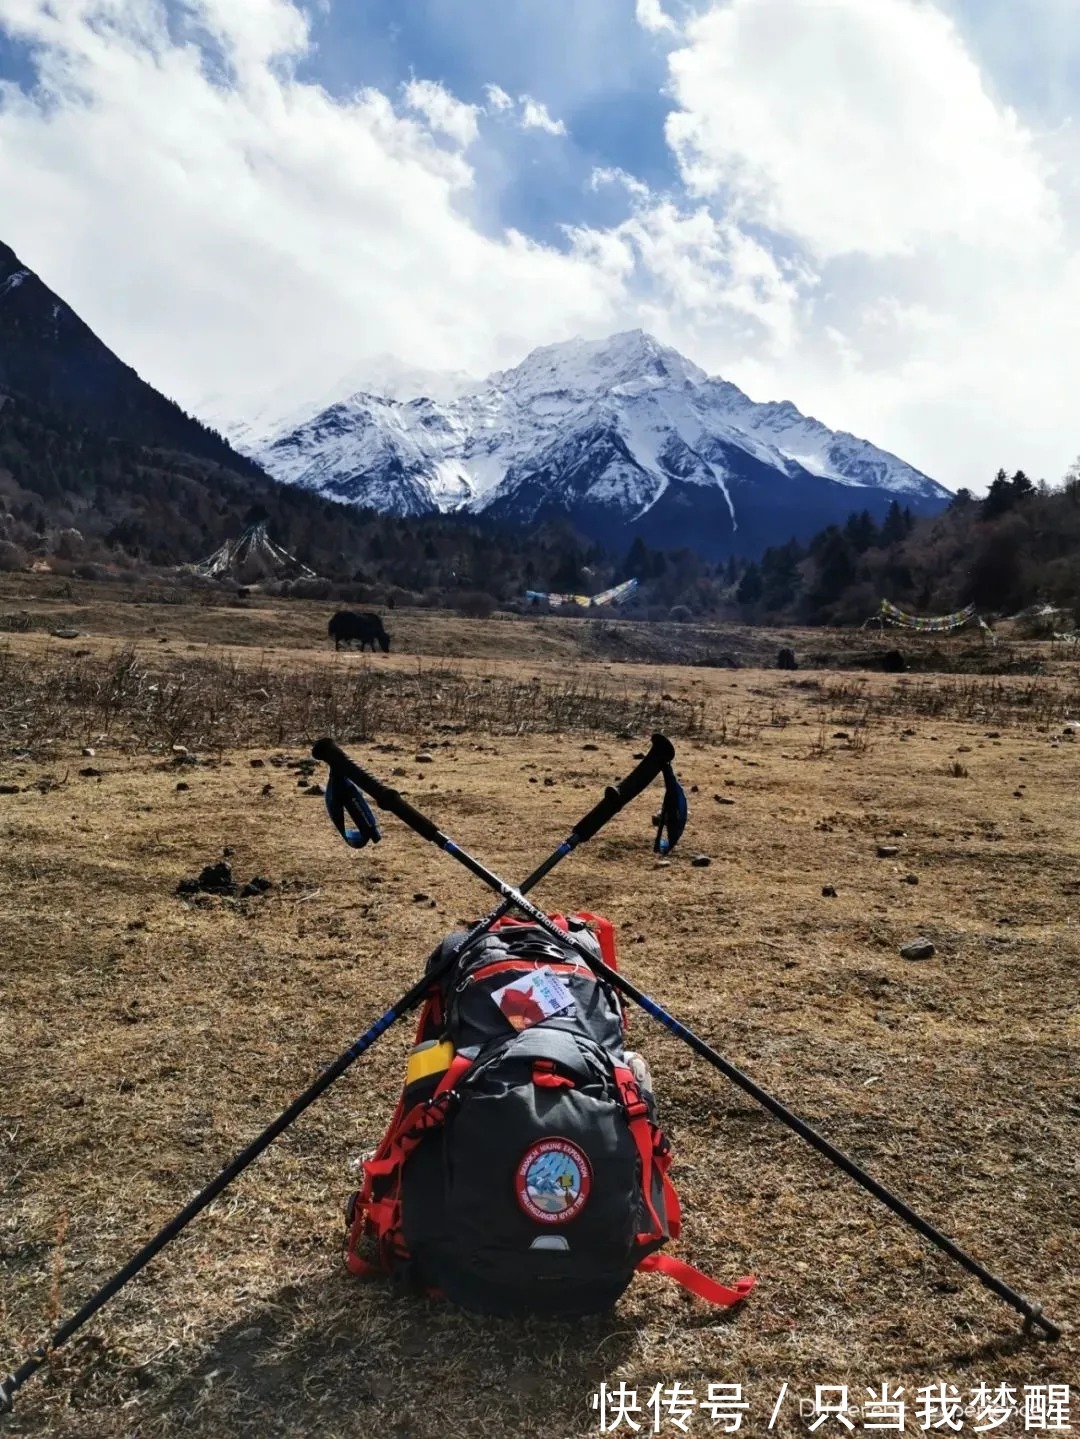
282 409
623 436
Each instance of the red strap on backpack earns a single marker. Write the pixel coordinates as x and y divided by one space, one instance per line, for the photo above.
642 1133
655 1155
696 1282
380 1219
544 1076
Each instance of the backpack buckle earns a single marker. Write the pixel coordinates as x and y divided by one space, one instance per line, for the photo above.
632 1098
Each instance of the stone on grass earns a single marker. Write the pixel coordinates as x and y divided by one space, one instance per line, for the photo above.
917 949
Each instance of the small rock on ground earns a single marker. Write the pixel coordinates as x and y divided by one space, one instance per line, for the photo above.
917 949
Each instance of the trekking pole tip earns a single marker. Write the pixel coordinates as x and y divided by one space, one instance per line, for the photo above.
1034 1316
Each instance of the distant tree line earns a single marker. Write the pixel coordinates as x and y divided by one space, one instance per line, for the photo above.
1016 547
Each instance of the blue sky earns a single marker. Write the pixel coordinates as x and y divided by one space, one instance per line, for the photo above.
870 208
591 65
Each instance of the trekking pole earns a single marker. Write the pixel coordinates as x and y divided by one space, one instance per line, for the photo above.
389 799
615 797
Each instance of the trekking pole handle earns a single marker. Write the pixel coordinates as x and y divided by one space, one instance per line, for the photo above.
335 757
615 796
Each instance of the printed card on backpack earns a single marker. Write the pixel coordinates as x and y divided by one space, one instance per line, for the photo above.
533 997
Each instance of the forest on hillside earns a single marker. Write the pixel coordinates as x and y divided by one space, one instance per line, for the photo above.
1016 547
101 508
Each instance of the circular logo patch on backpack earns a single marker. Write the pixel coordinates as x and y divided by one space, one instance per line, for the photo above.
552 1181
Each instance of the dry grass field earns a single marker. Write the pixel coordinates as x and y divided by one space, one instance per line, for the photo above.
147 1037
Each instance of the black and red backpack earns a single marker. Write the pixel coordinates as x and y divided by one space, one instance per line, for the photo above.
524 1171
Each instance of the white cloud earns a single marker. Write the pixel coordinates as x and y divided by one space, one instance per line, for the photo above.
498 99
528 114
613 175
871 146
703 283
651 16
869 130
534 116
226 237
443 111
869 231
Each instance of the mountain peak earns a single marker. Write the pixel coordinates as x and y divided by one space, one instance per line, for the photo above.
579 366
621 435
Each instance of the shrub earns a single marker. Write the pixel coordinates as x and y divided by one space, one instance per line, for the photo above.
476 605
12 557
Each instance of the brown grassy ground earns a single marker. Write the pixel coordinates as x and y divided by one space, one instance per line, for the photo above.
182 619
147 1038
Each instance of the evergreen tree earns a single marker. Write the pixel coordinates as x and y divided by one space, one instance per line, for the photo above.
999 497
1022 487
780 575
636 564
751 586
836 571
861 532
894 531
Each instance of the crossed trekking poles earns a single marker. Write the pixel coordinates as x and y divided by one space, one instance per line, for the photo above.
345 790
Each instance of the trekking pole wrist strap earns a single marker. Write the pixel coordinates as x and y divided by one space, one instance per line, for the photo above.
386 798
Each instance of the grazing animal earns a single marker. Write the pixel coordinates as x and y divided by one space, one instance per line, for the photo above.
347 627
785 660
893 662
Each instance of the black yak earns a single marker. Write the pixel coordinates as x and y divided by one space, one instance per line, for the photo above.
348 627
785 660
